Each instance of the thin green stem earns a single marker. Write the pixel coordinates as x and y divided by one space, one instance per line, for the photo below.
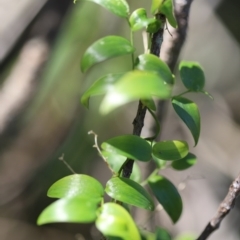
131 40
188 91
157 124
154 172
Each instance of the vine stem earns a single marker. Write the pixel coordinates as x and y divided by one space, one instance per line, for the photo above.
138 122
66 164
99 151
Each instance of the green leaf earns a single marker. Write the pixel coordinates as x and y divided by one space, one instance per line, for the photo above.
76 185
117 7
167 195
185 162
72 210
186 236
130 192
116 161
115 221
149 62
167 9
192 76
105 48
130 146
161 164
154 26
189 113
149 103
101 86
162 234
133 86
170 150
156 4
139 20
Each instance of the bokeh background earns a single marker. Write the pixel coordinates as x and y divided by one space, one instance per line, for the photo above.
41 118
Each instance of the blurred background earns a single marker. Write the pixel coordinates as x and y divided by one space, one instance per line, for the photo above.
41 118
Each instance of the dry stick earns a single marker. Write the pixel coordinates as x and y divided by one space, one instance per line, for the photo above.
224 208
138 122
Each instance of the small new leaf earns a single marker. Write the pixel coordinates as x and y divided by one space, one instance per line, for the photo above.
105 48
167 9
192 76
167 195
117 7
189 113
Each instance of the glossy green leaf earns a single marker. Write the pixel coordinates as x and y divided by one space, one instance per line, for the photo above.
149 62
167 195
185 162
189 113
130 146
162 234
170 150
133 86
117 7
149 103
105 48
154 26
192 76
71 210
127 191
101 86
156 4
116 161
115 221
76 185
167 9
139 19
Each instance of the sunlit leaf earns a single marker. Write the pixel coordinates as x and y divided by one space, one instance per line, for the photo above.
189 113
71 210
118 7
101 86
105 48
116 161
133 86
167 9
149 62
139 19
130 192
156 4
192 75
167 195
76 185
170 150
115 221
185 162
130 146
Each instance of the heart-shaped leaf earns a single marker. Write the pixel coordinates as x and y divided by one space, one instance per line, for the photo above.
167 9
101 86
71 210
133 86
192 76
116 161
167 195
189 113
130 192
139 19
130 146
170 150
149 62
185 162
115 221
76 185
105 48
117 7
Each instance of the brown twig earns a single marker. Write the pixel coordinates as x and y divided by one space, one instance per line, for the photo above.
138 121
224 208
